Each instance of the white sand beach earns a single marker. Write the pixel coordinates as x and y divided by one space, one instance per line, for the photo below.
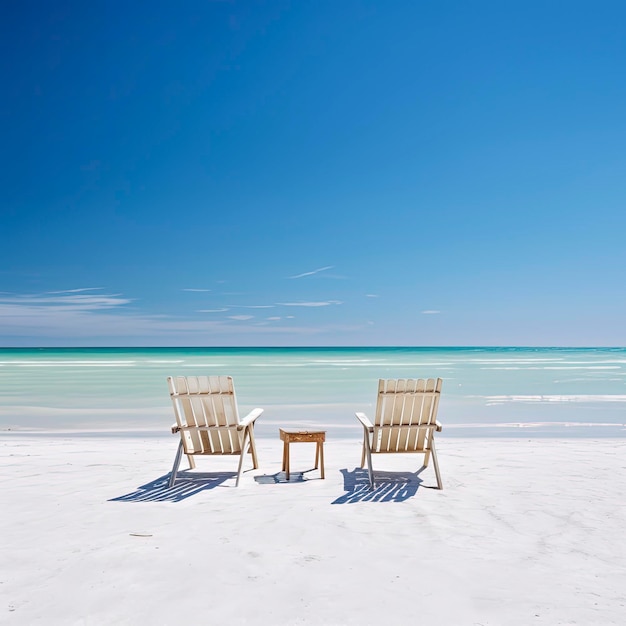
524 532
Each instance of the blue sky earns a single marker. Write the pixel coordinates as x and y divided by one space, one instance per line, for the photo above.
313 173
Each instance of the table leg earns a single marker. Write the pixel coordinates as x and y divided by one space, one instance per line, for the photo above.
287 459
321 445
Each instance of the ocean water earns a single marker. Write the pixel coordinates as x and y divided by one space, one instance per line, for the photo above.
495 392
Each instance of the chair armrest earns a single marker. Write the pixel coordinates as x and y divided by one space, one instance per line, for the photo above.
175 428
365 421
438 427
250 418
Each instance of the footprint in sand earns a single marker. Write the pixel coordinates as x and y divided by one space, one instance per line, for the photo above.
311 557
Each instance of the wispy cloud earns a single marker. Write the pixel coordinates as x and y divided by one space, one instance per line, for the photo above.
252 306
212 310
317 271
69 312
430 312
75 290
60 301
105 319
197 290
310 304
372 295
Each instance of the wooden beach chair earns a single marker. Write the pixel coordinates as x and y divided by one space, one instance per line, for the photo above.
208 421
406 421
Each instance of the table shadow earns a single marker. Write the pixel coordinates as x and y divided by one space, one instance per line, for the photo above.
281 478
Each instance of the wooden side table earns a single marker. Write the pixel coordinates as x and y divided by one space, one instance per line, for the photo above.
297 436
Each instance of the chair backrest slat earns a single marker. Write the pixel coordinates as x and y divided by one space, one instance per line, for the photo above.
207 402
403 405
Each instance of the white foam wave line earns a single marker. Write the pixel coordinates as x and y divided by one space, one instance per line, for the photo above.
85 411
332 361
555 361
359 363
339 364
399 363
556 398
165 361
205 365
595 361
554 367
575 380
516 360
586 367
395 362
346 365
592 360
119 429
68 365
314 405
538 425
277 364
314 425
64 362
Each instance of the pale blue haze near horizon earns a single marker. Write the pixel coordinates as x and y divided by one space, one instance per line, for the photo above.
487 392
354 173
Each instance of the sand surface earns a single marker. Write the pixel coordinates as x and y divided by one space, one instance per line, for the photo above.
525 532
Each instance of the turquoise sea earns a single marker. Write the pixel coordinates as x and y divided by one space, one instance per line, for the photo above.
491 392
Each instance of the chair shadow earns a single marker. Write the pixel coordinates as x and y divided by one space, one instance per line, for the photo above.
281 478
388 486
187 484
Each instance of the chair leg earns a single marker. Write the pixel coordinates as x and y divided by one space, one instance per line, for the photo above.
363 452
179 454
192 462
243 448
435 463
368 452
255 460
426 458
